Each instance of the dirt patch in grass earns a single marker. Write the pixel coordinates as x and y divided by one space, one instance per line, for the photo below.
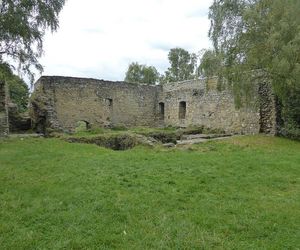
115 142
120 141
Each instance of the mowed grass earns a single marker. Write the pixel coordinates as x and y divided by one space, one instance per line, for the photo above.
240 193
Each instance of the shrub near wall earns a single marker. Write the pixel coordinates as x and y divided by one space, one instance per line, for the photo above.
4 126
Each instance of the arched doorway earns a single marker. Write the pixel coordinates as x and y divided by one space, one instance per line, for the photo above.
82 126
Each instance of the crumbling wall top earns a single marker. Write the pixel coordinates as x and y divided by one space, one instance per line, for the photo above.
57 80
189 84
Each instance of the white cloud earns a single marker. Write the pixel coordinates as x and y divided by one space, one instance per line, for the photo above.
100 38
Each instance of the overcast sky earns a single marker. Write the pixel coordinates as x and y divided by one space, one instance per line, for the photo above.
100 38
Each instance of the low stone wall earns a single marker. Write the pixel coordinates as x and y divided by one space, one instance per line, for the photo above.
4 125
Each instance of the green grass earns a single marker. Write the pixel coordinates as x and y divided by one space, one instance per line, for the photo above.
242 193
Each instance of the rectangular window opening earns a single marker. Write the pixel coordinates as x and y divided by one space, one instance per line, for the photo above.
161 111
109 102
182 110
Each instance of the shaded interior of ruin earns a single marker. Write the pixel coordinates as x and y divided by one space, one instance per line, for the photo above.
109 102
161 106
182 110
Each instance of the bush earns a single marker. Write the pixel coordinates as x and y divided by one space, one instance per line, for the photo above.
290 131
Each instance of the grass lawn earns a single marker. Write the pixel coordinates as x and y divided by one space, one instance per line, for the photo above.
240 193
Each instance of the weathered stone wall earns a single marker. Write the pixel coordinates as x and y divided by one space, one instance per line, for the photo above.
60 102
207 106
268 109
4 125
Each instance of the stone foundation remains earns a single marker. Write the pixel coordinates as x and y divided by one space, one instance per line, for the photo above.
59 103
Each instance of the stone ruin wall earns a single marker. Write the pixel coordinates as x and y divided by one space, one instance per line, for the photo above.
207 106
60 102
4 125
269 110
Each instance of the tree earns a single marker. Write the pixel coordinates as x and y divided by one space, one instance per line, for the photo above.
139 73
210 64
19 92
260 36
183 66
18 89
22 27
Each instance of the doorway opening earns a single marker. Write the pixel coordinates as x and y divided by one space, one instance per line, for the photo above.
161 106
82 126
182 110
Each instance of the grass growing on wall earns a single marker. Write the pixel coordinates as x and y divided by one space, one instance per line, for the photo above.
242 193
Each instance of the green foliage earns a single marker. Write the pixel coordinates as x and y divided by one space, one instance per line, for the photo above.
238 194
261 36
139 73
291 113
182 66
147 130
210 64
19 92
18 89
81 126
22 27
119 128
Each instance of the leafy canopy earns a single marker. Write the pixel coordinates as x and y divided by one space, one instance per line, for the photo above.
260 36
210 64
140 73
22 27
182 66
18 89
